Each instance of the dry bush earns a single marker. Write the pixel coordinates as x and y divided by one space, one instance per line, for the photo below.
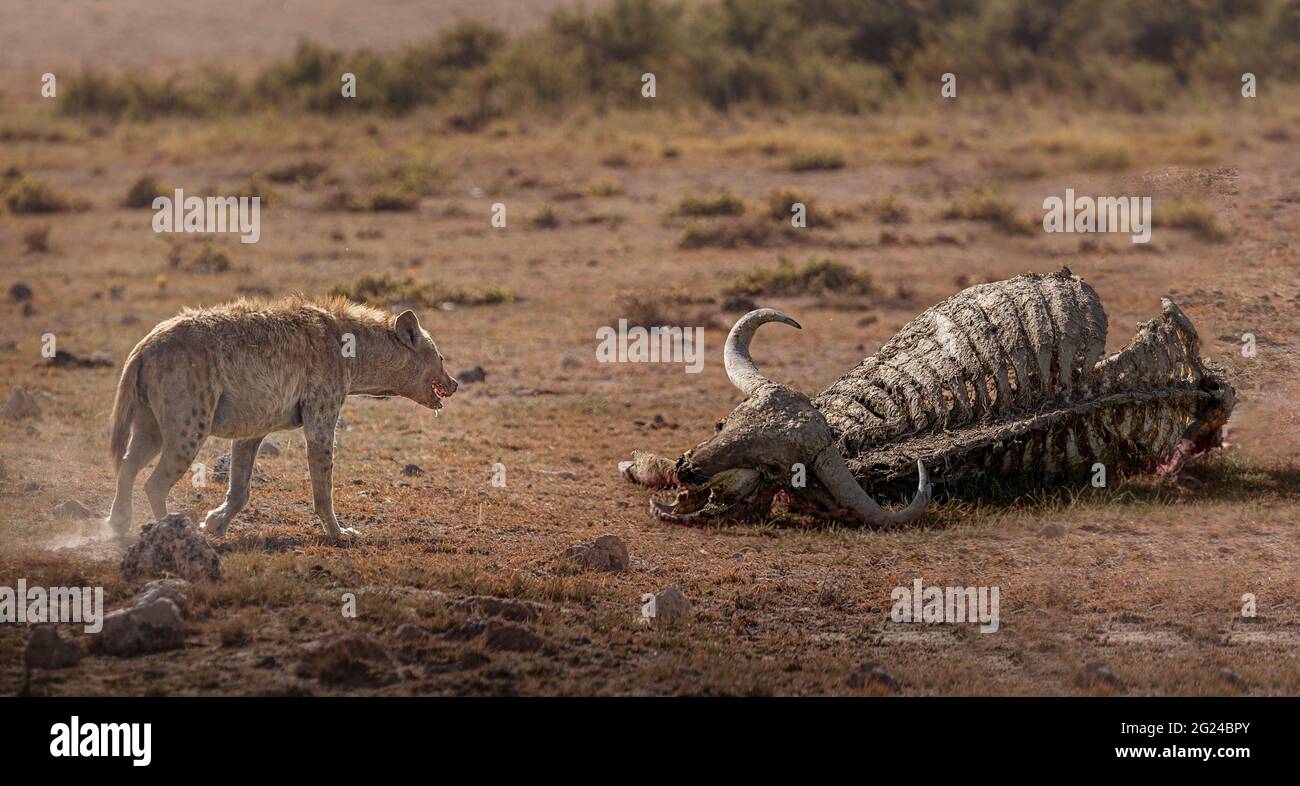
388 290
816 161
816 276
667 309
545 217
780 204
1187 213
984 205
724 203
889 209
143 192
738 232
304 171
23 195
37 239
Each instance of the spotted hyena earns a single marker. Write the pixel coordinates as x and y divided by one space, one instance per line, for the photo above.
248 368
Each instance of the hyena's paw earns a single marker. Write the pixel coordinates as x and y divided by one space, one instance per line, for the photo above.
344 535
117 530
216 522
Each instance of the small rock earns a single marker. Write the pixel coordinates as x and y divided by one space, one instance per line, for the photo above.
412 470
669 606
149 627
71 510
409 632
1052 531
607 553
175 590
21 405
171 546
1099 674
571 362
509 608
221 470
873 674
511 638
496 635
471 375
20 291
354 659
268 449
46 649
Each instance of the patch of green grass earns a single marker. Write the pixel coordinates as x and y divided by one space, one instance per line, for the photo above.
388 290
388 198
723 203
24 196
889 209
982 204
143 192
780 207
304 171
814 277
545 217
816 161
1187 213
1104 159
737 232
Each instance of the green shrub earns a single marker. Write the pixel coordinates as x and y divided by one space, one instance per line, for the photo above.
723 203
815 276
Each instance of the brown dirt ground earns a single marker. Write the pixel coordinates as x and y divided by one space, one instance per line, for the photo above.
1143 577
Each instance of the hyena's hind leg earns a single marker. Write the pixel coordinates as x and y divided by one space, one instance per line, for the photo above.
146 441
184 419
243 454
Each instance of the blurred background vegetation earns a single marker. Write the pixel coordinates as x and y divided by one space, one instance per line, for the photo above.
846 56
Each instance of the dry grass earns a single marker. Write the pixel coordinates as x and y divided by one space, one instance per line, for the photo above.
1189 213
1144 576
816 276
981 204
389 290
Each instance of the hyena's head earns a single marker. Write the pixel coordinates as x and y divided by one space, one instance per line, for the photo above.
420 375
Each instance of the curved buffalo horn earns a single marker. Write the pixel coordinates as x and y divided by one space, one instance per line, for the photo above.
834 473
740 366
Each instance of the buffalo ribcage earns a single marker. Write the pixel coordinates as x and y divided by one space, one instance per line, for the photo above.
1006 382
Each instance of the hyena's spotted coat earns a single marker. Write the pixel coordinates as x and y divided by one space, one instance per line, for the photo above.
245 369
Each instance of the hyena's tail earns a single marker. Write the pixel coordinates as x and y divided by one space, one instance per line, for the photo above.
124 407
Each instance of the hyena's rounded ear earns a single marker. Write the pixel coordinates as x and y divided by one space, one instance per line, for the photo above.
408 329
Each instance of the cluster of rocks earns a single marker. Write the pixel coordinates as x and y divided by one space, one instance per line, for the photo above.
169 554
152 623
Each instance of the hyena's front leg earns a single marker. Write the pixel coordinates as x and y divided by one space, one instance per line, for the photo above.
243 453
318 420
